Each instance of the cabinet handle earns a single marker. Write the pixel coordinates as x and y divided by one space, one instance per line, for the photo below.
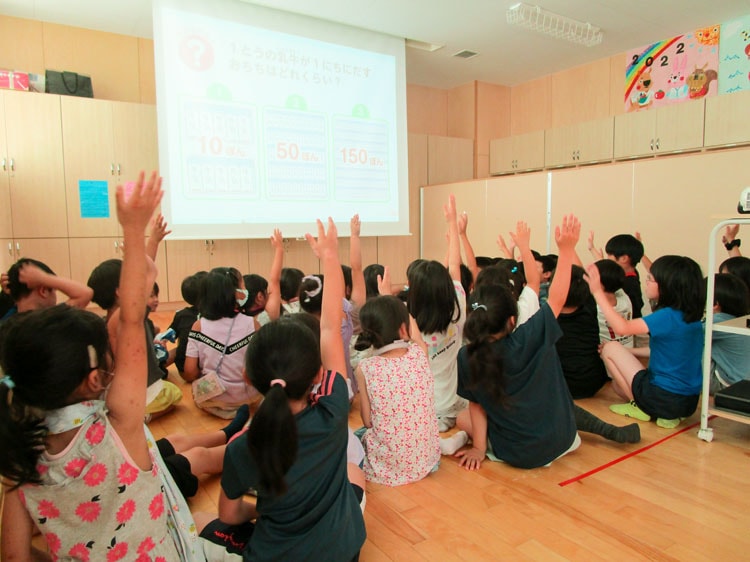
10 249
118 169
12 165
652 144
18 249
117 246
657 144
112 169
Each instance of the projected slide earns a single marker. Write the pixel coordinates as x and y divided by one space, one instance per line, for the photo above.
260 126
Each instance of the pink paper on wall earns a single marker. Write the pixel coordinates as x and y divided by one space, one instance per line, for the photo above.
674 70
128 188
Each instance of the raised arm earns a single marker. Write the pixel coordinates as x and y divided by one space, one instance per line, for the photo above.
522 239
359 291
331 312
507 251
158 233
126 398
566 237
730 240
273 300
454 250
471 259
620 326
596 253
645 259
79 295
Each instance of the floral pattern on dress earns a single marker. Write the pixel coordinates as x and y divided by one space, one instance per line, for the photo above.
403 444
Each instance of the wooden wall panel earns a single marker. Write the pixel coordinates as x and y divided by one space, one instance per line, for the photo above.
462 111
602 199
426 110
110 59
449 159
21 44
146 74
530 106
617 84
580 94
493 121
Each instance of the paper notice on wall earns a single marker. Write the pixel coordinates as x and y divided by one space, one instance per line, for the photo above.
94 199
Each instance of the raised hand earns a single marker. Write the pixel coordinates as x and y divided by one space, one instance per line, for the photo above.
592 277
522 236
730 233
277 241
463 222
159 228
355 225
449 209
326 242
596 253
135 212
568 233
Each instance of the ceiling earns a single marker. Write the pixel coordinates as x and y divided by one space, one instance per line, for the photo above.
507 55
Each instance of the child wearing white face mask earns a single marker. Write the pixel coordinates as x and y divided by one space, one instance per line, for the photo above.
218 341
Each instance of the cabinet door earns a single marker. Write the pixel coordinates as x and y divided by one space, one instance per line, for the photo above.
560 146
89 157
87 253
528 151
229 253
679 128
502 156
7 254
184 257
6 225
595 141
135 139
635 134
37 179
727 119
52 251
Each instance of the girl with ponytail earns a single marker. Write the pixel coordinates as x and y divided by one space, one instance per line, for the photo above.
294 454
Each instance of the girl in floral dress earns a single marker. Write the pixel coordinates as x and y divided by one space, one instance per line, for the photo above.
397 400
77 462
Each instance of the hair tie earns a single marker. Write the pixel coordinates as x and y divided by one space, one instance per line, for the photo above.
280 382
8 382
476 305
313 292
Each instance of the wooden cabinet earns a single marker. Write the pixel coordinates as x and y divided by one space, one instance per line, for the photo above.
727 120
583 143
87 253
675 128
520 153
107 142
32 166
51 251
449 159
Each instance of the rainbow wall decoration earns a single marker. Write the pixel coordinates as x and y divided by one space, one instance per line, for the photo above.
673 70
734 56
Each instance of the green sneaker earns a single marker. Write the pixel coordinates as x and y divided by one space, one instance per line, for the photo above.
630 410
668 424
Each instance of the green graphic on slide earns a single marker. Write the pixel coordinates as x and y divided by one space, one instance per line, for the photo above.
360 110
218 91
296 101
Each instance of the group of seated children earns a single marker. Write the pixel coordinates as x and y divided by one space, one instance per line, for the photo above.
503 365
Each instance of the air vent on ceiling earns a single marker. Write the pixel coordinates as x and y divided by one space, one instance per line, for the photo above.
465 54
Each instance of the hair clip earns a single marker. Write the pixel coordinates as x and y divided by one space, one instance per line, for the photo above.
93 359
313 292
514 269
7 381
476 305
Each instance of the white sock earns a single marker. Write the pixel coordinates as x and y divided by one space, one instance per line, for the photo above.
449 445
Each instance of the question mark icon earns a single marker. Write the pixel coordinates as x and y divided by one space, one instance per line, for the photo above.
197 53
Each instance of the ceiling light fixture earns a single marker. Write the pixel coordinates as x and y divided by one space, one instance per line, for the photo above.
554 25
422 45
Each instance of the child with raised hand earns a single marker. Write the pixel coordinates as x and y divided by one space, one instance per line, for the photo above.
668 389
520 410
397 401
294 453
437 302
75 452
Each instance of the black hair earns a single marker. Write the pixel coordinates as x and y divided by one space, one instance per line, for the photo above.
6 303
611 274
305 318
191 287
17 289
371 273
731 294
381 319
289 282
46 354
311 294
254 284
625 245
485 261
289 351
549 263
412 265
500 274
347 271
232 272
492 307
432 299
467 278
739 266
155 290
104 281
578 292
218 295
681 286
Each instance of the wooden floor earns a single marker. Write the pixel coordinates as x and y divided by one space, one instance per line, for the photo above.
670 497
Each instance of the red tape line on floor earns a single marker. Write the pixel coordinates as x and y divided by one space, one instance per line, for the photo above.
631 454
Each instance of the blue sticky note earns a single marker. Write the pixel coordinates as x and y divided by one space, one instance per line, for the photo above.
94 199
